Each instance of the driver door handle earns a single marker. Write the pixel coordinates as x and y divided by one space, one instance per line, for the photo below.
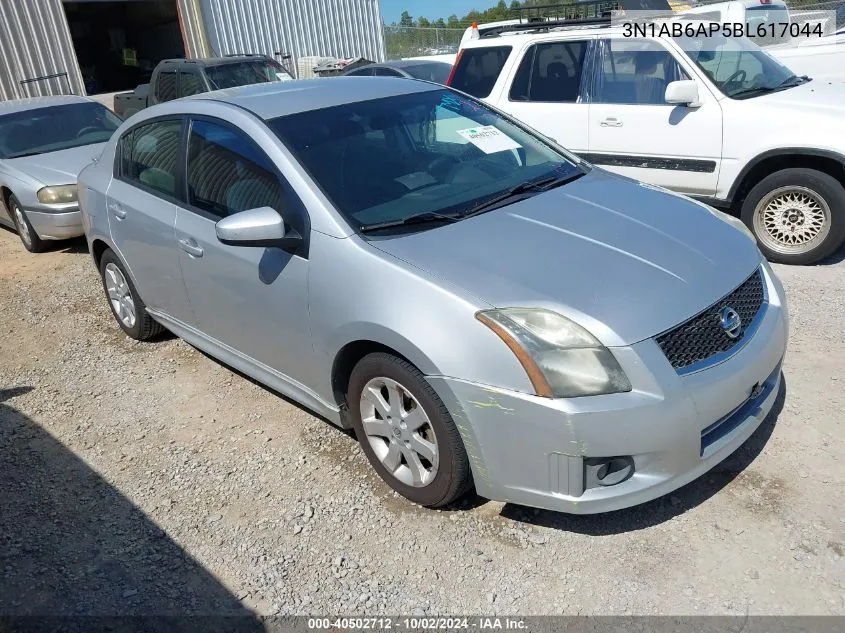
118 211
191 247
611 121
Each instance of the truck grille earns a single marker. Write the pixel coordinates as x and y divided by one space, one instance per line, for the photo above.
702 337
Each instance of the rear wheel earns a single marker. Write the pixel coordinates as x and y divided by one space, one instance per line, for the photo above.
29 238
126 306
406 431
797 215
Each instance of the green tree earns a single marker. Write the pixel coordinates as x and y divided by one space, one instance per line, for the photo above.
405 19
453 22
440 23
423 23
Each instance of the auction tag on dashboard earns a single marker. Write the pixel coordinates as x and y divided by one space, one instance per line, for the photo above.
489 139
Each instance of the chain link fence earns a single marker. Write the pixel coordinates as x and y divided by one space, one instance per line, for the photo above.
402 41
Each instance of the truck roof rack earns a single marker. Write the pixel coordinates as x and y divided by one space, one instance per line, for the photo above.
579 13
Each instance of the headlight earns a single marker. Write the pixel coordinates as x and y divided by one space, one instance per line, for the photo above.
562 359
61 194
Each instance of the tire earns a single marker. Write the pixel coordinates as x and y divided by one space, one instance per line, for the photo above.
438 477
121 294
797 215
29 238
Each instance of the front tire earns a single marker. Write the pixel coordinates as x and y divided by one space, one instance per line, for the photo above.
406 431
29 238
797 215
126 305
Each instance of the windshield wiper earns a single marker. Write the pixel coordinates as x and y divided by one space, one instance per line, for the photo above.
418 218
789 82
514 194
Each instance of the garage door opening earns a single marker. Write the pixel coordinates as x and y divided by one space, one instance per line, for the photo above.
118 43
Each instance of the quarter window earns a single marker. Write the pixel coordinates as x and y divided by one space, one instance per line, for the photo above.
227 173
550 73
149 155
166 86
635 72
478 69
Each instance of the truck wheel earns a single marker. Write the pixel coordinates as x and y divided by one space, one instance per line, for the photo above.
797 215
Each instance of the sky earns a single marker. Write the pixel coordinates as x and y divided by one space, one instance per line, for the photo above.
392 9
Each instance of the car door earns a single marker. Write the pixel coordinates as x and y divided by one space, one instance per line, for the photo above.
547 90
633 131
141 205
251 299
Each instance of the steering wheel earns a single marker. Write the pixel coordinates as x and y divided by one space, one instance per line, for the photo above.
87 130
735 77
442 166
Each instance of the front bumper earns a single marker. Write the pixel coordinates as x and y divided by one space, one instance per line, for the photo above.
538 452
61 225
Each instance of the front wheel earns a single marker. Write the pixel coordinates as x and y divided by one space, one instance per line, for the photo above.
797 215
29 238
406 431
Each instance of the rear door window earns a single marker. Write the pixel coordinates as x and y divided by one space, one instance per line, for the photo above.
190 84
478 69
551 73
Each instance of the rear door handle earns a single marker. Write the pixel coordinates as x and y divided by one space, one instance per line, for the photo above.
191 247
611 121
118 211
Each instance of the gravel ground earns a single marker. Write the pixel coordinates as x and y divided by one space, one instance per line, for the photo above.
148 478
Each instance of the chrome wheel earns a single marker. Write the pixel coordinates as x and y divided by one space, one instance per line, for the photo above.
23 227
120 295
399 432
792 220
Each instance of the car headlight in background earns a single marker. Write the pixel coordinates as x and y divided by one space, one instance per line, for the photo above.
61 194
562 359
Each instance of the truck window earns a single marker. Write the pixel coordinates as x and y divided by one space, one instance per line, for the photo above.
166 86
635 72
190 84
245 73
478 69
550 73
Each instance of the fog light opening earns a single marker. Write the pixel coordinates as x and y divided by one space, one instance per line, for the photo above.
609 471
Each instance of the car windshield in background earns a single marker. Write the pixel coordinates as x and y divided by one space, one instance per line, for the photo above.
388 160
435 71
738 67
55 128
245 73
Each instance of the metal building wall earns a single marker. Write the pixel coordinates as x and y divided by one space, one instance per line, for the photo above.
332 28
35 41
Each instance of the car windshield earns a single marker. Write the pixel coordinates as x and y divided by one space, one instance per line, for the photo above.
737 66
55 128
245 73
767 24
436 71
435 152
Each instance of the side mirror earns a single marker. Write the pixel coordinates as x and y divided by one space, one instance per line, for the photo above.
257 227
682 93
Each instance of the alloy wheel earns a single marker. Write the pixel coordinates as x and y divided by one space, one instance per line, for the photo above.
120 295
23 226
792 220
399 432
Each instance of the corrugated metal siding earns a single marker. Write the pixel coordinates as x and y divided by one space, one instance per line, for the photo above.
336 28
35 41
193 28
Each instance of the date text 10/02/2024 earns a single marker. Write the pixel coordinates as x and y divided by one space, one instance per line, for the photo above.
417 623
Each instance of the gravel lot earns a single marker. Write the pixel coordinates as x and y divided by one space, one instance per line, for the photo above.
148 478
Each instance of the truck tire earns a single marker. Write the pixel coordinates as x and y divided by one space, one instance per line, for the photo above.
797 215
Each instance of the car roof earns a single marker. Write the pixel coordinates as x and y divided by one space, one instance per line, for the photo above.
516 38
34 103
271 100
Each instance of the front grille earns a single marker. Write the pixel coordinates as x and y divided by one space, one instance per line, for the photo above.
702 337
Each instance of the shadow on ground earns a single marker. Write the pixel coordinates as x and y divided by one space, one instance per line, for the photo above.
72 545
667 507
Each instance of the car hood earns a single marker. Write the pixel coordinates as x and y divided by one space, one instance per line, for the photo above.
625 260
57 168
813 97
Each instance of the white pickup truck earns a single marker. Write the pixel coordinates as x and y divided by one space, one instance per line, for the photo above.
723 122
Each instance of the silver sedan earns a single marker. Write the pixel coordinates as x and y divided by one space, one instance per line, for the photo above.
482 308
44 144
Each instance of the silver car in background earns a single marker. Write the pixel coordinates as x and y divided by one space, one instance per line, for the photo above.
481 307
44 144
